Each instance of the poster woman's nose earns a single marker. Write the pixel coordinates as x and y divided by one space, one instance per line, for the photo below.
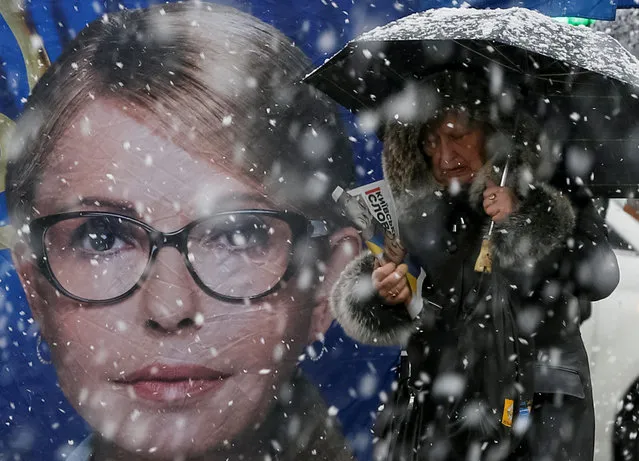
170 298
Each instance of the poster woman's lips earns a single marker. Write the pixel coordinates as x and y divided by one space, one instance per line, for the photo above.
168 383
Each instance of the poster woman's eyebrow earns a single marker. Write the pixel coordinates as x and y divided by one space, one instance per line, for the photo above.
236 201
252 198
124 206
224 202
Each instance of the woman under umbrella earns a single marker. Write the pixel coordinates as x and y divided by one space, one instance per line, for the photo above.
485 343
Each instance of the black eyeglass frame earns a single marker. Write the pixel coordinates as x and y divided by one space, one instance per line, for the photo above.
301 228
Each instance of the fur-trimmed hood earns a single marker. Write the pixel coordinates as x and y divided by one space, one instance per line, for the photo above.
513 134
409 174
545 217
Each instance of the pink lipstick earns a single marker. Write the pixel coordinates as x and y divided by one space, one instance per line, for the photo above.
170 383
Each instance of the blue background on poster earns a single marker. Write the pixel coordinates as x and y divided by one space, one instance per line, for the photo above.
36 422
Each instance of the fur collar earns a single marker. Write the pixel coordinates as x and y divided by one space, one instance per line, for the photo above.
545 218
412 182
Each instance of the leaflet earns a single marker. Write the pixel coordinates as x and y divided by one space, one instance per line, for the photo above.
372 211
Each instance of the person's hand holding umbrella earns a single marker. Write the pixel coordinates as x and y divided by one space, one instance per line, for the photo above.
499 202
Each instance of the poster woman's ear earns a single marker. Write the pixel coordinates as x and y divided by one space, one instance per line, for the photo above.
27 271
345 245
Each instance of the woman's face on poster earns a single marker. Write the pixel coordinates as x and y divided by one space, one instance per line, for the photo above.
169 369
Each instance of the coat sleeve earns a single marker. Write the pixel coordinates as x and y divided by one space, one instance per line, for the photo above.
552 236
363 314
542 225
592 262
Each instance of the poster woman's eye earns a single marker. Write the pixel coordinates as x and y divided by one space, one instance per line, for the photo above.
237 234
102 235
243 254
241 239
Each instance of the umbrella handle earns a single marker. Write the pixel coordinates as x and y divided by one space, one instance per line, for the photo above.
502 183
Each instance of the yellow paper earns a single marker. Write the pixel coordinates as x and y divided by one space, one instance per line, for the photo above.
509 410
377 250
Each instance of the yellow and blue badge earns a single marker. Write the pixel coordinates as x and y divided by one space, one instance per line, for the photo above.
525 408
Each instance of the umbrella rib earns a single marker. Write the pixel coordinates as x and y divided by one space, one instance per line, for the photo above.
398 76
514 64
564 74
349 94
601 139
487 57
330 64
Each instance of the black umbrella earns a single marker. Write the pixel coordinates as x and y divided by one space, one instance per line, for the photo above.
583 84
625 29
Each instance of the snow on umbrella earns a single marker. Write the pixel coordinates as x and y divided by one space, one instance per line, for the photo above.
625 29
582 83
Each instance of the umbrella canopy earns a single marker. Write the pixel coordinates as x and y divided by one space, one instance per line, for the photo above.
596 9
583 83
625 29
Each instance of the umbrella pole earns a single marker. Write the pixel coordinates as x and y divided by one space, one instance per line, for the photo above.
484 261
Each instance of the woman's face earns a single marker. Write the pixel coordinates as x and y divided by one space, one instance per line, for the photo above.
169 370
455 146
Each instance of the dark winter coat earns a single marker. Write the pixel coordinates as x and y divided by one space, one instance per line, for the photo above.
548 257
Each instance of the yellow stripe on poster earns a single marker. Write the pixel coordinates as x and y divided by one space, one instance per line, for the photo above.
6 125
377 250
36 62
35 57
7 237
